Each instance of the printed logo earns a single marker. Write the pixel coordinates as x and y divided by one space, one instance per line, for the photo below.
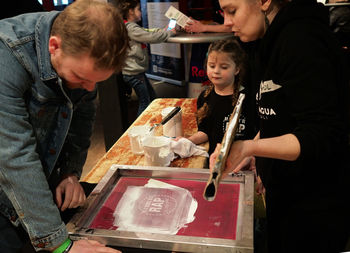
268 86
225 123
266 111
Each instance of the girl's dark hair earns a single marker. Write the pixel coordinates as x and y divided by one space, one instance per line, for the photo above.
238 56
125 5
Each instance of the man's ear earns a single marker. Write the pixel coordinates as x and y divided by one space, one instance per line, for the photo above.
54 44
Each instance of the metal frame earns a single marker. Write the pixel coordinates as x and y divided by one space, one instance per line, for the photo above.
78 226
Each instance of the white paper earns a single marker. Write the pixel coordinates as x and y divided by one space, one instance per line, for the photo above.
156 207
181 19
156 19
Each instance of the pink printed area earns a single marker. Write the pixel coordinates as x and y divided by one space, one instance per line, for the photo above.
215 219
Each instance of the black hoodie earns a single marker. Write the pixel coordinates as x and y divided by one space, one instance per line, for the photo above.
302 92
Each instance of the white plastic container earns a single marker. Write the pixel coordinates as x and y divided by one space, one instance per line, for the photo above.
173 128
136 134
157 151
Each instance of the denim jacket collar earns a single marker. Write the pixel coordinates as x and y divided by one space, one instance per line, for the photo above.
42 36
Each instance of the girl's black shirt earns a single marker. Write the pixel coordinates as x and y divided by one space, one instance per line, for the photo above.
217 118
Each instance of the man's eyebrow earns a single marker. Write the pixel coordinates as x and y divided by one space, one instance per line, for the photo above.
81 78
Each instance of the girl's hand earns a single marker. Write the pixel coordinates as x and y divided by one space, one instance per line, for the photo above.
178 138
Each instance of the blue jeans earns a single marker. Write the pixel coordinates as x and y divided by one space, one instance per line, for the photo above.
12 238
143 89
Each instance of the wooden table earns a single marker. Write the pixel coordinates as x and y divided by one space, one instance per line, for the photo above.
120 152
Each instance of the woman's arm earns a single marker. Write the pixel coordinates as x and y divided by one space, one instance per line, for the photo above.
285 147
198 27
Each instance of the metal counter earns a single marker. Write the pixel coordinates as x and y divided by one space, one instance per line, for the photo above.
192 38
186 38
337 4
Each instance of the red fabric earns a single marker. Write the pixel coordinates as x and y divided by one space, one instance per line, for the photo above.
215 219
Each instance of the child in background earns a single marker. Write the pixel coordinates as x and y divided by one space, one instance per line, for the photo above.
225 70
136 63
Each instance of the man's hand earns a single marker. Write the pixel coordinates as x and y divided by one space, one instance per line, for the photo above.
70 192
90 246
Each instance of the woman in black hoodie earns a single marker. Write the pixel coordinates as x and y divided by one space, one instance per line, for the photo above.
302 148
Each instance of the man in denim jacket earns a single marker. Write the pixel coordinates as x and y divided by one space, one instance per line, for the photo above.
49 66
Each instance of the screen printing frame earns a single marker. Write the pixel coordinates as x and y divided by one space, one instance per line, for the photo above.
78 227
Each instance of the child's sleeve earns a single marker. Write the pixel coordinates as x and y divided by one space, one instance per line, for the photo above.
203 125
144 35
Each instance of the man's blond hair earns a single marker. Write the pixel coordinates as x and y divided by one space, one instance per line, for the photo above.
96 28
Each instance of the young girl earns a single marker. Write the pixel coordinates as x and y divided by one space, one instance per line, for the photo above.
225 69
136 63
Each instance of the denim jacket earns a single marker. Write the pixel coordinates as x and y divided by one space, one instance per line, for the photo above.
45 128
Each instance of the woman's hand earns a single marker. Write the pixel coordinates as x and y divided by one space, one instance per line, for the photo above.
69 193
260 189
239 158
247 163
194 26
213 156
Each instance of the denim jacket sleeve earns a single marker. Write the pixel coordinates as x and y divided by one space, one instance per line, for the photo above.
22 176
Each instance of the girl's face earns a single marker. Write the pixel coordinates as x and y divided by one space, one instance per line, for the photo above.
135 14
221 70
245 17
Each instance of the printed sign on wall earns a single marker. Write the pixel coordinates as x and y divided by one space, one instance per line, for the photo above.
166 63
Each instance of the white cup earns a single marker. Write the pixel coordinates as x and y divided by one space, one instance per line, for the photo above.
173 128
157 151
136 134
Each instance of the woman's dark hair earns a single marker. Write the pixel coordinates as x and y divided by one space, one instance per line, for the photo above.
281 3
238 56
125 5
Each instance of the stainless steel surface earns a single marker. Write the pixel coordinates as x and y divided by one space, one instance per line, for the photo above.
167 117
220 162
185 38
78 227
337 4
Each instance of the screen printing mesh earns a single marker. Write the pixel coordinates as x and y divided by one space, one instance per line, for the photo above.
215 219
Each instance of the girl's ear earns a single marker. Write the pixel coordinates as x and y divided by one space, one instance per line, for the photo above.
237 71
130 13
